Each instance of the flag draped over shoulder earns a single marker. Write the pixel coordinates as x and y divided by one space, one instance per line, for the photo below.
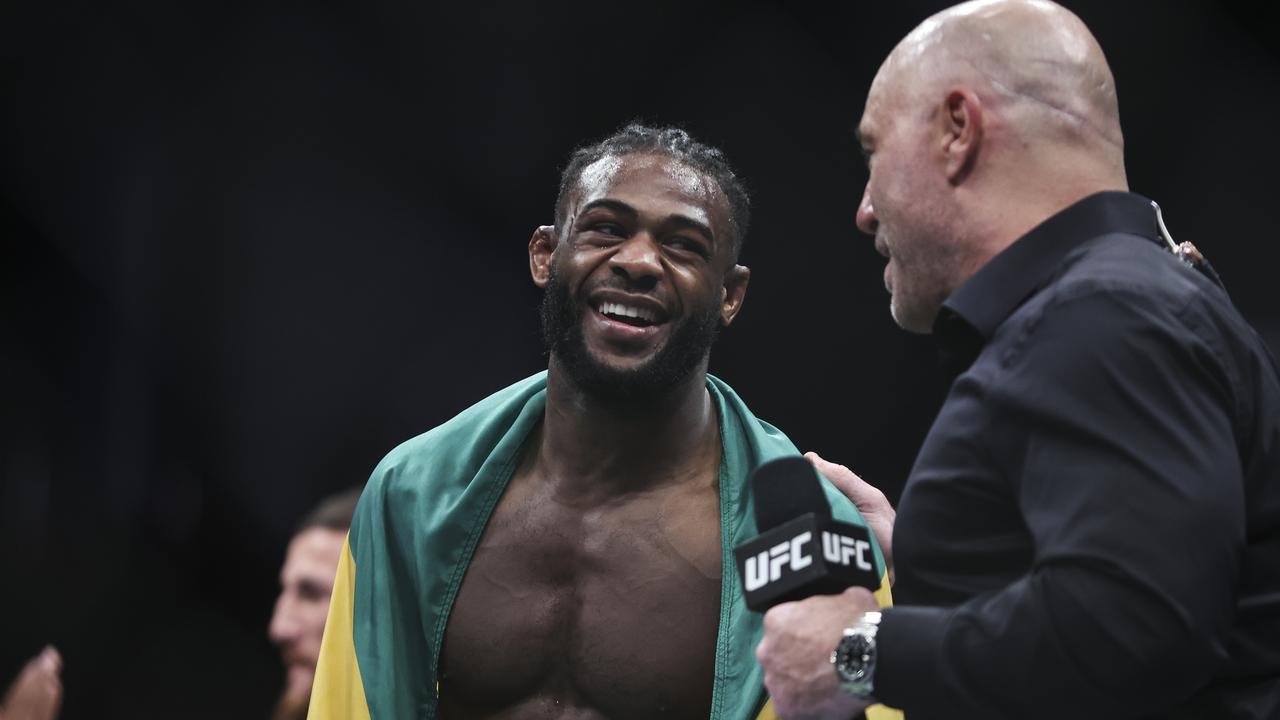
419 521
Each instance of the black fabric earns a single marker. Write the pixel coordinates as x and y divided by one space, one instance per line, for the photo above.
1092 526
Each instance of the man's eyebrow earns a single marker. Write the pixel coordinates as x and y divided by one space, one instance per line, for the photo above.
609 204
688 223
680 221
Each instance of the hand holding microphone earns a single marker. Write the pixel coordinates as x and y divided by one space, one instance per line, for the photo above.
814 575
795 655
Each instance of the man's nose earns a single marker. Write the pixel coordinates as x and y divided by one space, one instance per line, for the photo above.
867 220
638 259
284 623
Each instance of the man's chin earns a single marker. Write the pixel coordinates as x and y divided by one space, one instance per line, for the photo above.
911 317
610 378
299 679
294 701
622 365
612 363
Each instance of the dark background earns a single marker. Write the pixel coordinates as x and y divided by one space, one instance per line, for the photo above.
248 248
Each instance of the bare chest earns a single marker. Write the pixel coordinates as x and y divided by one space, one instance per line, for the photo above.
606 611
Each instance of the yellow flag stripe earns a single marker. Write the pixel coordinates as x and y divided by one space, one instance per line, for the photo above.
338 692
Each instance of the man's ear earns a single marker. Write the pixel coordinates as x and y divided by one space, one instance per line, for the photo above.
962 126
541 246
733 293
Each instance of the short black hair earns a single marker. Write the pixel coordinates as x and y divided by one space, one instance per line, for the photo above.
671 142
333 513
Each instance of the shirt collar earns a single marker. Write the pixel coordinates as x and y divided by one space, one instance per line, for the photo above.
969 318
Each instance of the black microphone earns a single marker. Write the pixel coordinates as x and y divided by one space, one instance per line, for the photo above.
801 550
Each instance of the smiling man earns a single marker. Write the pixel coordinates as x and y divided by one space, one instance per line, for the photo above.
562 548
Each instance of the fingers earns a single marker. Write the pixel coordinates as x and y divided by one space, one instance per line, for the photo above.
872 503
816 459
860 598
795 654
855 488
50 660
763 650
776 616
37 692
829 468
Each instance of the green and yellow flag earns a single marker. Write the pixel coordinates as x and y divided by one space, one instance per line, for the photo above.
421 516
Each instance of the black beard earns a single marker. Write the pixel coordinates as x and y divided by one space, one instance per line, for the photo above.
688 346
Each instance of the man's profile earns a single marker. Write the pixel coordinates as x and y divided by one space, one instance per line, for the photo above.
1090 528
306 581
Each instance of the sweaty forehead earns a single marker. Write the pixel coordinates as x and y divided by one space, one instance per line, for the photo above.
657 183
314 553
664 174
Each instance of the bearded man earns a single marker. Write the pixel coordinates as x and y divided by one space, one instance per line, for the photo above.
563 548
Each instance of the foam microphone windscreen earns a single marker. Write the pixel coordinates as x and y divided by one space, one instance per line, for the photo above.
801 550
785 489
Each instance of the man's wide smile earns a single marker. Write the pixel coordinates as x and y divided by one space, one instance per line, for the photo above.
627 319
638 316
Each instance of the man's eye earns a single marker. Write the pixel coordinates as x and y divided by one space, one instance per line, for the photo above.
687 245
311 592
607 228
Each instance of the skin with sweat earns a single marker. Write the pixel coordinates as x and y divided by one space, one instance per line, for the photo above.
595 588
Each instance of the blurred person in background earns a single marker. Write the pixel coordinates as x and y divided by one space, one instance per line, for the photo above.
306 580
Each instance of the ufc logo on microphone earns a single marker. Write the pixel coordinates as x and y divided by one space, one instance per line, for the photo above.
766 566
841 549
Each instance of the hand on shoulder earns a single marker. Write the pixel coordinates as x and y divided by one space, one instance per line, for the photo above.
872 503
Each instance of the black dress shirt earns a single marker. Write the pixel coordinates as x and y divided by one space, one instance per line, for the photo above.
1092 526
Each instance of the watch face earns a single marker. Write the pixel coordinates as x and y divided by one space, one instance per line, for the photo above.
853 657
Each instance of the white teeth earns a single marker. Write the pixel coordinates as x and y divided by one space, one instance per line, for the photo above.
612 308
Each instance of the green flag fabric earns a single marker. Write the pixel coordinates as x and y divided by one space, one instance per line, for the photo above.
419 521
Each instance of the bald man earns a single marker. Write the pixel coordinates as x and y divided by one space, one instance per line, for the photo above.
1092 526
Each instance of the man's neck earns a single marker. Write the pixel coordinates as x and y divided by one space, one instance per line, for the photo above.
598 447
994 227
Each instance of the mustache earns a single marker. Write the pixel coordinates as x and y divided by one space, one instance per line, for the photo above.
623 285
290 656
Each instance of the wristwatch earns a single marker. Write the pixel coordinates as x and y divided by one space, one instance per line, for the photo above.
855 656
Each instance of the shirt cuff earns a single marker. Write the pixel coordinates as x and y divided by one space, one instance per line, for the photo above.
908 653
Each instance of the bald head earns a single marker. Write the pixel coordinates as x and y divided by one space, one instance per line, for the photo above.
985 120
1033 59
